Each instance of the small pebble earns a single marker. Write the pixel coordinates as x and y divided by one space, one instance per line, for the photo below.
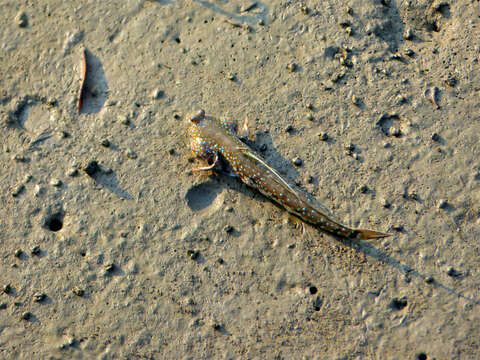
216 327
398 228
413 195
430 280
297 161
124 119
18 253
105 143
56 182
27 315
158 94
171 151
228 229
451 81
356 100
385 203
194 254
79 292
39 297
110 268
350 147
36 250
401 100
442 204
19 158
408 34
363 189
350 32
409 52
18 190
453 273
220 261
292 67
7 289
22 19
3 306
231 76
310 117
387 145
72 172
305 10
323 136
309 106
435 137
131 154
289 128
92 168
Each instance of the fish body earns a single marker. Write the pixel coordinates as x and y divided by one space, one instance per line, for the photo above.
212 138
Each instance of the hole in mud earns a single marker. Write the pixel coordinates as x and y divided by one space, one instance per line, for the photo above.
202 195
388 123
54 222
398 304
313 290
422 356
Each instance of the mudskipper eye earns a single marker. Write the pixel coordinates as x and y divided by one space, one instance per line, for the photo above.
199 116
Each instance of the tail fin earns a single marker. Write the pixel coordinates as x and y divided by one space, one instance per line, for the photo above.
363 234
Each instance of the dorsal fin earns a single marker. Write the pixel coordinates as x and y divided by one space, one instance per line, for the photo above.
247 152
299 194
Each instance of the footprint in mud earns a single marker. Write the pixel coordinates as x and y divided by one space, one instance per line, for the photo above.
202 195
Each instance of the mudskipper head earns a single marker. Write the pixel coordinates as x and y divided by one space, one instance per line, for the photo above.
200 143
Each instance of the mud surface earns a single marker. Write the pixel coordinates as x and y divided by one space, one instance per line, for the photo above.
110 249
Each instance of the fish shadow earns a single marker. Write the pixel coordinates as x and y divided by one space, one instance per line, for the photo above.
95 89
109 180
